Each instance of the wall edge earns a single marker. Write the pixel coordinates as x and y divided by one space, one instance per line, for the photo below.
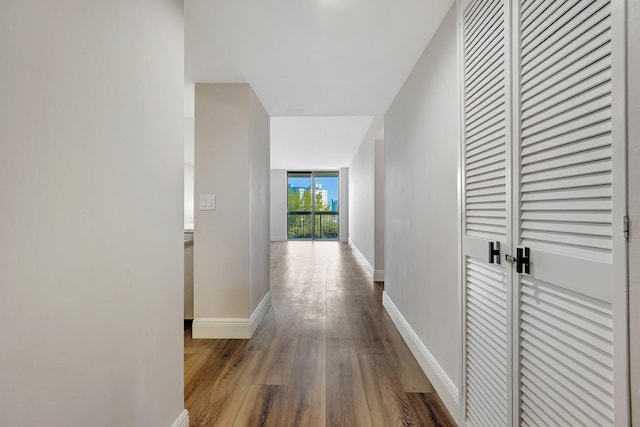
260 311
182 420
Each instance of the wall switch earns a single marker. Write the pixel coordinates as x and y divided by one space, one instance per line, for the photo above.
207 202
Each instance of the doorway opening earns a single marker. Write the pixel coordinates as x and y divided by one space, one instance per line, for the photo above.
313 206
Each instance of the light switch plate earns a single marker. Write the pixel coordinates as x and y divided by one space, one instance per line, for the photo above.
207 202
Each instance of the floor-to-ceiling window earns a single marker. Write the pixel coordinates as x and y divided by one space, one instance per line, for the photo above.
312 206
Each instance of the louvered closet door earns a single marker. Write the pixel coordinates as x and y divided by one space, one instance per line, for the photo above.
486 213
572 315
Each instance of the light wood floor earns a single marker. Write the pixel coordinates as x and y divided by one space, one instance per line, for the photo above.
326 354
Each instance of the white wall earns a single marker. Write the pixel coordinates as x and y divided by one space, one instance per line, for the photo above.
259 200
366 203
231 259
189 176
343 182
362 201
221 246
189 154
278 205
379 210
634 201
91 213
421 231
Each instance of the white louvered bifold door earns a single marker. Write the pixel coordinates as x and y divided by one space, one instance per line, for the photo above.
486 213
570 193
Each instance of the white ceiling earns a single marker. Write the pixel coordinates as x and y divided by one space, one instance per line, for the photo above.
329 142
322 58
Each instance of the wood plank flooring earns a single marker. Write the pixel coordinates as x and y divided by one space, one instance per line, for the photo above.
326 354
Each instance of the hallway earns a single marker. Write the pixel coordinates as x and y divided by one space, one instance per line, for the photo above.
326 353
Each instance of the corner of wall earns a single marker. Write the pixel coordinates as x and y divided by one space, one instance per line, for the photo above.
259 313
344 204
231 328
362 260
182 420
259 201
278 205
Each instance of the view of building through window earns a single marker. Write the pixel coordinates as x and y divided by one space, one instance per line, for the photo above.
312 204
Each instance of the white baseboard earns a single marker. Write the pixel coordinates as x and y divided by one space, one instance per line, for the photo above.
259 312
278 238
230 327
182 420
221 328
446 388
362 260
378 275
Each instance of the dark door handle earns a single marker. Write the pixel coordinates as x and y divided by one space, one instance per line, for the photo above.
494 253
522 261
